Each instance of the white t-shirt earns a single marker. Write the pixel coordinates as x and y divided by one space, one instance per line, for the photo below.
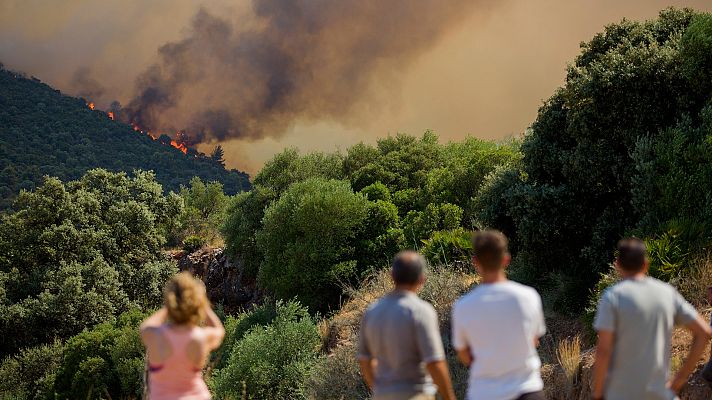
500 322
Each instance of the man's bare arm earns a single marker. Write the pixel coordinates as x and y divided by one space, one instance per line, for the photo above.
701 334
441 377
465 356
604 349
367 366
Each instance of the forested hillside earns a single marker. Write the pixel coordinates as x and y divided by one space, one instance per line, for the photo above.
43 132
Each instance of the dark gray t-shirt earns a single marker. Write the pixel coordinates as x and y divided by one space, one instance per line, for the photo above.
641 313
401 332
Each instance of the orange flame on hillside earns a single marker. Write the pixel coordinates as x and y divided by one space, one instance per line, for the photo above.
176 142
179 146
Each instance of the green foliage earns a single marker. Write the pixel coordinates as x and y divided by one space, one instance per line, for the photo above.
79 254
273 361
243 221
672 251
419 225
445 247
47 133
108 359
407 188
308 241
193 243
585 179
377 191
237 327
204 213
289 167
30 374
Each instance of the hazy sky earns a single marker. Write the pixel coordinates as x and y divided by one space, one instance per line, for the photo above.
485 76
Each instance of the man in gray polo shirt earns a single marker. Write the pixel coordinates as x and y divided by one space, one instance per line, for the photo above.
634 321
400 350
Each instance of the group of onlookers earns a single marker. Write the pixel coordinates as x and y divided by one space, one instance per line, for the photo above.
496 329
497 326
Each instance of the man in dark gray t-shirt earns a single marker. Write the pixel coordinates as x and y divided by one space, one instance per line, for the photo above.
400 349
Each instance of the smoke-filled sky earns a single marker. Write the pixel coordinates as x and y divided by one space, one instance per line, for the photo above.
259 75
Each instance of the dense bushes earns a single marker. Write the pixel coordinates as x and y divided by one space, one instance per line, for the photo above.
325 220
308 238
79 254
107 359
271 361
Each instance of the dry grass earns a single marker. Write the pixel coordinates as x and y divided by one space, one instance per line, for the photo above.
568 354
693 285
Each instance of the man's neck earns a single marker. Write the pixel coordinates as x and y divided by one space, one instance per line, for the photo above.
406 288
634 275
494 277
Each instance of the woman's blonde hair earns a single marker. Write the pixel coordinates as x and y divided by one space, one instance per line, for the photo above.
185 299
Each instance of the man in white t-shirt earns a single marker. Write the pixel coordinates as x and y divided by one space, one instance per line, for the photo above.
496 328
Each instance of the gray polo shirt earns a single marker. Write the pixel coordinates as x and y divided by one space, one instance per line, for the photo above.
401 332
641 313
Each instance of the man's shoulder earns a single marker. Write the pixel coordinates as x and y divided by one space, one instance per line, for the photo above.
522 289
625 286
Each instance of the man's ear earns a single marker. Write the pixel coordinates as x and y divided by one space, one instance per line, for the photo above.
506 260
646 265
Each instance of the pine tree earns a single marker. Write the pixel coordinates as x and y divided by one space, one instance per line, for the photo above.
218 155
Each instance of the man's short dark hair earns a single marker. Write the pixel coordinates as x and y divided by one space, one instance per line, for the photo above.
490 248
632 254
408 267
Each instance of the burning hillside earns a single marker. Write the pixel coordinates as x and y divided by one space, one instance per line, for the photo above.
176 138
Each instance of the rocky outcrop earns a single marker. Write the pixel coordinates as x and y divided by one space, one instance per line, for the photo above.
223 277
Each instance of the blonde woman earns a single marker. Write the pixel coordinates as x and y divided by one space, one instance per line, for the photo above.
177 346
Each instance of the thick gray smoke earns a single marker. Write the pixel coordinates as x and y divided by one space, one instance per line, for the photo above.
298 60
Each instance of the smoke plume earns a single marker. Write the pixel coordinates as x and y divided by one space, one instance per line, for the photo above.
298 60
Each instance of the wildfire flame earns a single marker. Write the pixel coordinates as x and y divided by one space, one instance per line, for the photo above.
179 146
176 143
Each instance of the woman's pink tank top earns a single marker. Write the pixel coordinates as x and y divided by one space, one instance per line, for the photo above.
177 377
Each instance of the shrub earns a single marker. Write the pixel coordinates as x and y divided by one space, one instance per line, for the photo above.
237 327
446 247
336 376
30 373
108 359
376 191
672 251
193 243
308 240
273 361
694 281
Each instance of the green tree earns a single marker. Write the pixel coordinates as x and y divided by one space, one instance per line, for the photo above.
273 361
578 172
244 219
79 254
308 241
204 212
289 167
